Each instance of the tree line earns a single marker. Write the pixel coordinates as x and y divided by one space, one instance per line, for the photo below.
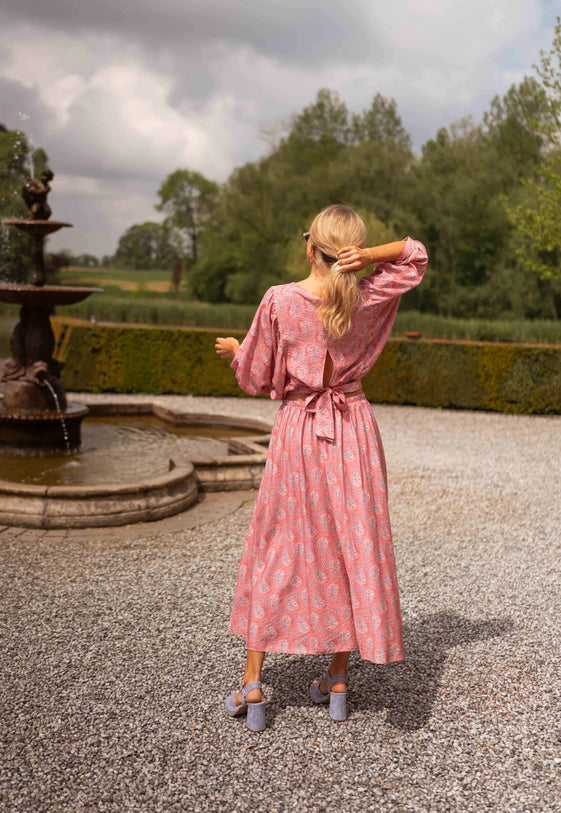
485 198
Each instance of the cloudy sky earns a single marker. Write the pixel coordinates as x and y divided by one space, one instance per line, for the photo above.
122 92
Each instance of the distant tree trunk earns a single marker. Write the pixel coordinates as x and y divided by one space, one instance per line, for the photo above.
176 275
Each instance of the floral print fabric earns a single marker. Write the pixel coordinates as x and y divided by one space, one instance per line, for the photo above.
317 571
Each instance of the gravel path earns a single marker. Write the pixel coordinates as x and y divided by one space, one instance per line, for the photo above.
116 655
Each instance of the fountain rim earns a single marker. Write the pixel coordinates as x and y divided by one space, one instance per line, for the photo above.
21 286
18 221
44 296
177 472
74 409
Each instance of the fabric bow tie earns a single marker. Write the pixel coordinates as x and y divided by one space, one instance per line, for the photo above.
323 402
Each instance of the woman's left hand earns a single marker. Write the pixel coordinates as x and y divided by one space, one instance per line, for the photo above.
353 258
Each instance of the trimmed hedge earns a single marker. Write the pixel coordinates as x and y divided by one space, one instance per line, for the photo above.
511 378
436 373
117 358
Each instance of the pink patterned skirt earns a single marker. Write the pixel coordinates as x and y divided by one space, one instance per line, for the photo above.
317 571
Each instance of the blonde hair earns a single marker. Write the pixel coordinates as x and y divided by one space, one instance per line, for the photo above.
331 230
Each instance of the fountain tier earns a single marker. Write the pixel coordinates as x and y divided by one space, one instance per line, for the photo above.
34 410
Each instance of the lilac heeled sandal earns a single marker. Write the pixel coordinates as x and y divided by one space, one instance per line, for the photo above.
255 711
337 700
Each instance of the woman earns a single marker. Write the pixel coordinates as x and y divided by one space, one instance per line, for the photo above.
317 571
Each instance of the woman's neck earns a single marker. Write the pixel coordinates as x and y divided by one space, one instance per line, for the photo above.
316 279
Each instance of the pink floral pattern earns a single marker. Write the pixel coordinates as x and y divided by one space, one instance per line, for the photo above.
317 571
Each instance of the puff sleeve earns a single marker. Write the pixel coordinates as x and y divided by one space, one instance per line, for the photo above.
392 279
255 363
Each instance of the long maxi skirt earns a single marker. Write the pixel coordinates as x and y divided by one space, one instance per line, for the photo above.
317 571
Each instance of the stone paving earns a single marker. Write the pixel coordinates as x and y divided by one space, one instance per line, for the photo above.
116 655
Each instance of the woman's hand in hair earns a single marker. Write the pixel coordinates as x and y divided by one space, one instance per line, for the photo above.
227 348
353 258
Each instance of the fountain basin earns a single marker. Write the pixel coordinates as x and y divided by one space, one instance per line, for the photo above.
33 506
237 462
36 228
46 296
41 428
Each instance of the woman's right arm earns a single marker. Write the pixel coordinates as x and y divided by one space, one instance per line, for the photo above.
353 258
401 267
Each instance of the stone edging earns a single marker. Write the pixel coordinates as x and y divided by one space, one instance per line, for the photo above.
68 507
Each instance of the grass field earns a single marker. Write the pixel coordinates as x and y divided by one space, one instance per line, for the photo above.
143 297
161 311
432 326
158 281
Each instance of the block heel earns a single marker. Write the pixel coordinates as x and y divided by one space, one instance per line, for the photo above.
337 700
255 711
338 705
256 716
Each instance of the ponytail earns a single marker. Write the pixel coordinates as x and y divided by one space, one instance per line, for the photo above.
331 230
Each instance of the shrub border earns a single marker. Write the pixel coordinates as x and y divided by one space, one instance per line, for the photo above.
502 377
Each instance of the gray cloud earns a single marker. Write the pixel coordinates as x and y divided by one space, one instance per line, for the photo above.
302 31
122 93
99 215
15 100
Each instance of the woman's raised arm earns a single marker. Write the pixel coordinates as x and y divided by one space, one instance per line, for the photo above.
401 267
353 258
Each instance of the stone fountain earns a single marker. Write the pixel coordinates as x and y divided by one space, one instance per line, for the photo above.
116 476
35 412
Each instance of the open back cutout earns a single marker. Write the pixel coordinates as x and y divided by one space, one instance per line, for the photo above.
327 369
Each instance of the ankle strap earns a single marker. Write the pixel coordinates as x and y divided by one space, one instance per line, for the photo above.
255 685
336 679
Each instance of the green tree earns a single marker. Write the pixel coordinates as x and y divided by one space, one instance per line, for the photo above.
459 188
15 247
241 252
454 185
145 246
189 201
266 205
536 216
381 124
507 126
326 121
85 260
452 197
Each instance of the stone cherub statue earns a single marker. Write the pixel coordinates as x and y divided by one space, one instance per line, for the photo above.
32 361
35 195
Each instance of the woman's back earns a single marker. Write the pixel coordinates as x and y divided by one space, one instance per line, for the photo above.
288 349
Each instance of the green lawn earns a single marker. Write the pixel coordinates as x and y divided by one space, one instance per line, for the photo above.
162 309
159 281
154 308
432 326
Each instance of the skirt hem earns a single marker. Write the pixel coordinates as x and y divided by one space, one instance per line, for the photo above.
299 651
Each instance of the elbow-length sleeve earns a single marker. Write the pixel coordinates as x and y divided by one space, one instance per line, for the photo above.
256 364
392 279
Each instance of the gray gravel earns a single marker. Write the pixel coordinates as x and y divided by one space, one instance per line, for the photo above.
116 655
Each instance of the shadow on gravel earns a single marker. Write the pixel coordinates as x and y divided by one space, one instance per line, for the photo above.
407 689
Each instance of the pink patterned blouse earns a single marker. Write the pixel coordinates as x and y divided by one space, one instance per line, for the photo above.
286 347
